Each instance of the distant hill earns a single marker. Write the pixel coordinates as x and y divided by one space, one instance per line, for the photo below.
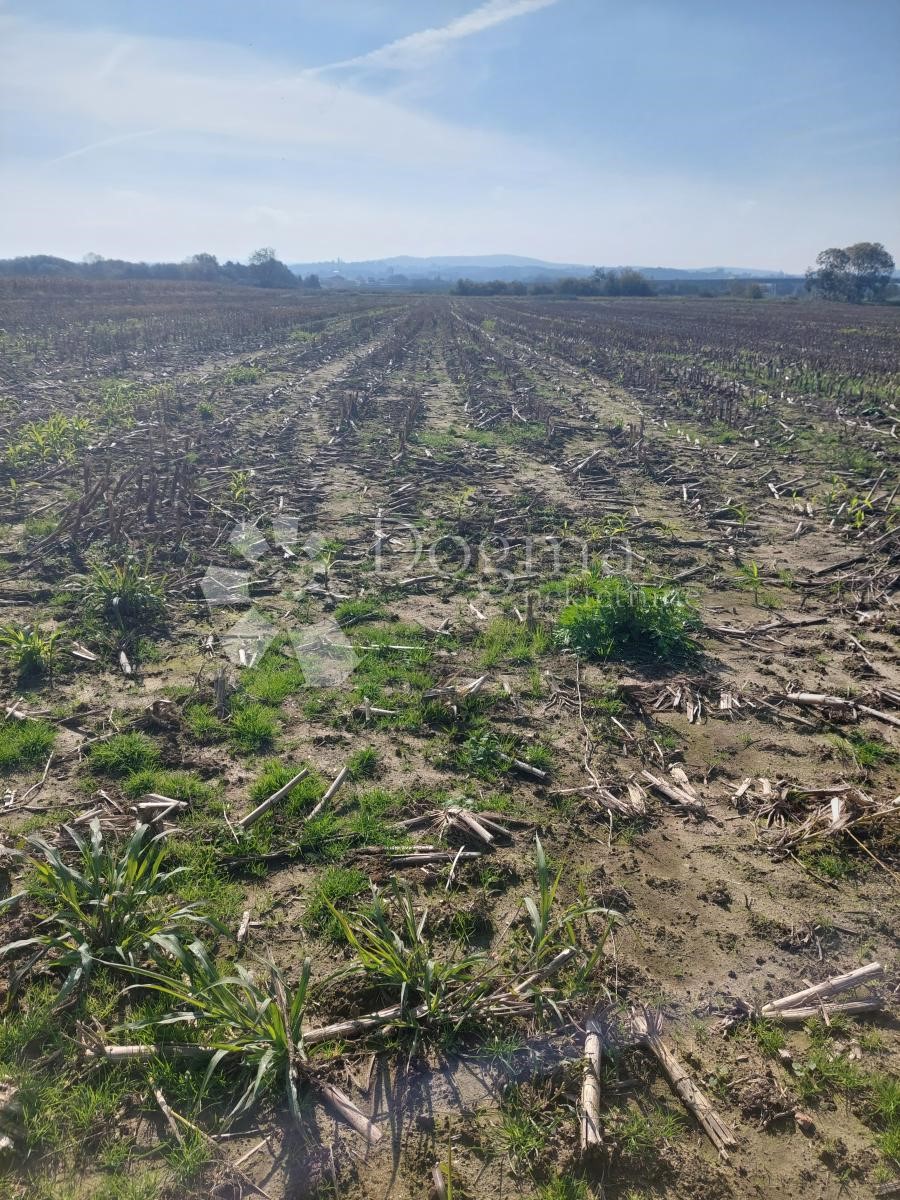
449 268
510 267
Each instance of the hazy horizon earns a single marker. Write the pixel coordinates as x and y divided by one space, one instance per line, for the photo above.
678 135
474 259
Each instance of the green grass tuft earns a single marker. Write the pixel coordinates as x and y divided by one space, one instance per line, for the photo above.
864 752
768 1036
362 764
203 723
643 1133
504 640
275 774
564 1187
335 887
367 826
253 729
355 612
883 1111
833 862
177 785
123 754
525 1131
24 743
273 679
204 880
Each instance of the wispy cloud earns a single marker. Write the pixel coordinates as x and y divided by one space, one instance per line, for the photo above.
217 101
103 144
411 51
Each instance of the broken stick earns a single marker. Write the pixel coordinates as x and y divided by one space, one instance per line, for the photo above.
252 817
830 987
591 1138
797 1016
676 794
648 1026
344 1108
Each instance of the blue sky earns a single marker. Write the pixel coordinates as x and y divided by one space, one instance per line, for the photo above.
653 132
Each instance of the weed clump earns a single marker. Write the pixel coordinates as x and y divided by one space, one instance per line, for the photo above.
127 592
29 650
111 905
258 1021
622 619
397 957
243 374
52 441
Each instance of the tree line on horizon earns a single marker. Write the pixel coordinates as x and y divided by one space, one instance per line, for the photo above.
626 282
262 269
863 272
853 274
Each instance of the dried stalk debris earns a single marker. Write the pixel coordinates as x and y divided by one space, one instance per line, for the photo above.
820 992
648 1028
790 822
591 1133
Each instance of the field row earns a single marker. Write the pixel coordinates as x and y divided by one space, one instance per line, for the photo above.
493 683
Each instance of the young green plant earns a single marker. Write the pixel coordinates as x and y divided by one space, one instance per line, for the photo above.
112 905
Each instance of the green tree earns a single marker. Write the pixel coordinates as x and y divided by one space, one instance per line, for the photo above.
267 271
265 254
203 266
871 268
854 273
633 283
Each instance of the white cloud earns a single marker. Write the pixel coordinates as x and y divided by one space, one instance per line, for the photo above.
411 51
225 98
238 153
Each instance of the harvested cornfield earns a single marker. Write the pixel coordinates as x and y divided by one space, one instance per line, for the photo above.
448 744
